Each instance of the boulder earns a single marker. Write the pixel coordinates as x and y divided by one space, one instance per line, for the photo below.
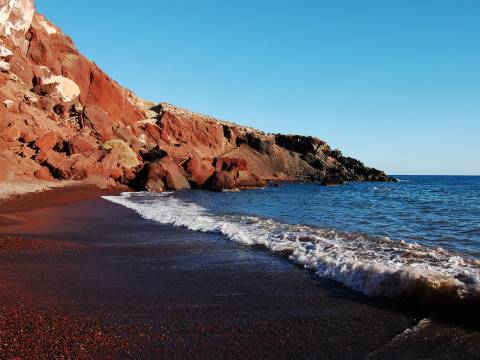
221 180
47 141
43 174
21 68
58 86
246 179
97 119
59 164
98 164
88 166
163 174
232 173
152 131
199 170
79 144
111 164
229 164
10 133
26 152
31 98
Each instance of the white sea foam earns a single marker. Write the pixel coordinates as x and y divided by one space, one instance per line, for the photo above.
372 265
376 188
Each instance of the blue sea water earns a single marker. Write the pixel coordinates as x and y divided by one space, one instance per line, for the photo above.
438 211
420 234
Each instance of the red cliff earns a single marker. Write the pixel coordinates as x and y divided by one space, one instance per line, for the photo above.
61 117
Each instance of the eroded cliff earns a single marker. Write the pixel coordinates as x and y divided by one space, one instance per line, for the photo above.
61 117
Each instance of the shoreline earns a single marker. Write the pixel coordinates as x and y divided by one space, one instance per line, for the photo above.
62 194
118 286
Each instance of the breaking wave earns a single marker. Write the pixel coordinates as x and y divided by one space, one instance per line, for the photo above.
375 266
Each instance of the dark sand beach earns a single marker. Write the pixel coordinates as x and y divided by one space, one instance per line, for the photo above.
81 277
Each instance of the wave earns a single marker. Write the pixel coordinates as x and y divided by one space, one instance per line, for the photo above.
376 188
375 266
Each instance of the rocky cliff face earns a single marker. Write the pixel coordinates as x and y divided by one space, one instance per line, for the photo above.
61 117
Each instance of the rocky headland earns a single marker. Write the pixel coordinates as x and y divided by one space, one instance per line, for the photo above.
63 118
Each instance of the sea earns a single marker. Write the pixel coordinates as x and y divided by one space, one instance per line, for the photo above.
416 237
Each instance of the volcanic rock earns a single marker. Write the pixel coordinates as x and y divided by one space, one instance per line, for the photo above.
163 174
221 180
63 117
200 170
43 174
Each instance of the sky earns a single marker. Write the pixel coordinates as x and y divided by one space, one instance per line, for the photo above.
395 84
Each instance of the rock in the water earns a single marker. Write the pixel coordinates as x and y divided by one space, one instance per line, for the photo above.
221 180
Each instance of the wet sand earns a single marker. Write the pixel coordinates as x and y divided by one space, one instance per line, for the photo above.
81 277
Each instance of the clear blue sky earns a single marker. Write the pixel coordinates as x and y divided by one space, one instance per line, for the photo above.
395 84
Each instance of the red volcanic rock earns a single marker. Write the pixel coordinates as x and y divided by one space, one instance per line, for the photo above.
126 133
51 118
58 163
234 179
48 141
232 173
10 132
89 166
129 176
62 106
222 180
229 164
115 101
153 132
43 174
3 112
80 144
97 119
246 179
99 164
50 48
206 137
3 79
164 174
21 67
110 165
199 170
47 104
175 178
26 152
